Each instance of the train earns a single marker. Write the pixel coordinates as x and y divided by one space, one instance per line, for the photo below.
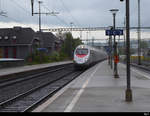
86 56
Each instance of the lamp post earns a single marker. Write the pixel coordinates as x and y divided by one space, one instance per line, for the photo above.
124 34
110 44
128 90
114 11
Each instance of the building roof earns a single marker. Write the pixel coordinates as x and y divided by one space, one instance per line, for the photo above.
25 36
22 35
47 38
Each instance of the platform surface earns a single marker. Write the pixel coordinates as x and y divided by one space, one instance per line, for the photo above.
96 90
7 71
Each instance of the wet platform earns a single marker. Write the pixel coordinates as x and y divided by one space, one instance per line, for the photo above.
19 69
11 62
96 90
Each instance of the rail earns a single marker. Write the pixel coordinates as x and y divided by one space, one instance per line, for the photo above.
47 84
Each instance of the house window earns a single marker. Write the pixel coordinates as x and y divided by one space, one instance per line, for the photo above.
6 37
14 37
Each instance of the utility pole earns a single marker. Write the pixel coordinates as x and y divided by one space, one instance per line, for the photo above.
87 37
93 42
124 34
111 62
139 35
111 49
81 35
40 13
109 56
40 2
128 93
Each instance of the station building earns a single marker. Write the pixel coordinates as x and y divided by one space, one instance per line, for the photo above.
18 42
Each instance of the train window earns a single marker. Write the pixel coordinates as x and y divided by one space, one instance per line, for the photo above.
82 51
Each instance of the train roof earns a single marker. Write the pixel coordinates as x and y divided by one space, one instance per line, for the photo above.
88 47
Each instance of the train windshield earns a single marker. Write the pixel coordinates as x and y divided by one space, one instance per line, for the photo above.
82 51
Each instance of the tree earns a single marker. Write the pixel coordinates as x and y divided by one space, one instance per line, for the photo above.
70 44
76 42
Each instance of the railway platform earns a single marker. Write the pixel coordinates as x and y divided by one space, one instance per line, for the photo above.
20 69
96 90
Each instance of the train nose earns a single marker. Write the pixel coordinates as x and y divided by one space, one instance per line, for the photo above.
80 59
81 56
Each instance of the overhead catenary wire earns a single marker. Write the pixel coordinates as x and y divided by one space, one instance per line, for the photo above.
27 12
75 20
23 9
60 19
67 9
0 4
17 6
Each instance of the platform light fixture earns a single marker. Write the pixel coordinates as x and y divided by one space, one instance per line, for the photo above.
114 11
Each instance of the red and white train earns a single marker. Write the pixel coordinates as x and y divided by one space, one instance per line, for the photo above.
85 56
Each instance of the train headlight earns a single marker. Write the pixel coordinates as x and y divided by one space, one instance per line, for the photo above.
86 59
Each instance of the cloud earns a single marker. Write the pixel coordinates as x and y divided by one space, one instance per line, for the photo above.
87 13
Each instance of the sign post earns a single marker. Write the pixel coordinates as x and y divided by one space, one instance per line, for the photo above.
114 32
110 33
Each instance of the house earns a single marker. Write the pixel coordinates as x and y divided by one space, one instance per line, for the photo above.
20 42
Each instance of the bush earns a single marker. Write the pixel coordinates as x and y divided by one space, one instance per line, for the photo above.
55 57
37 59
63 56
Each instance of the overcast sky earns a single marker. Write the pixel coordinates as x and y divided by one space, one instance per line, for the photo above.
83 13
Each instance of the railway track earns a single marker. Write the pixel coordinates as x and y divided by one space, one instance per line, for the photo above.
15 76
141 67
22 95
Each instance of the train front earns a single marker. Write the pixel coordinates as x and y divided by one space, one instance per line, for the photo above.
81 57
